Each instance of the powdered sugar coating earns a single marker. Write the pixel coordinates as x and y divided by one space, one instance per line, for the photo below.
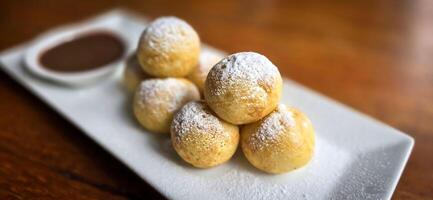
157 100
271 127
207 60
166 33
175 96
168 47
195 118
243 88
245 68
201 138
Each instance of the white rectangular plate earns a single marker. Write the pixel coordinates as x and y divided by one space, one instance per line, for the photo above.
356 157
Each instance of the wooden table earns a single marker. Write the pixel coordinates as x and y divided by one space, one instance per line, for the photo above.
375 56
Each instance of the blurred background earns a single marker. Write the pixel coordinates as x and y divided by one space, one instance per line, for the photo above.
375 56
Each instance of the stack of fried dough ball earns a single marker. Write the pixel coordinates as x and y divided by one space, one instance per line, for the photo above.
241 94
168 50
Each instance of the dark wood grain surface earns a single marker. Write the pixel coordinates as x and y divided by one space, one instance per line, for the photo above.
375 56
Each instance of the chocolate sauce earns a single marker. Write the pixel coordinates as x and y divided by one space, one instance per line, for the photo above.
86 52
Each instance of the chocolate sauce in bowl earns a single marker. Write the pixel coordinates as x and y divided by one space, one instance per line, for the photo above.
86 52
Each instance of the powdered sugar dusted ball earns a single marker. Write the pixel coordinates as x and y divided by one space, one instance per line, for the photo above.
207 60
133 74
156 101
243 87
201 138
280 142
168 47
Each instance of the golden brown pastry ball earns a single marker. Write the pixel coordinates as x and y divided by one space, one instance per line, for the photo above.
280 142
207 60
133 74
201 138
156 101
168 47
243 87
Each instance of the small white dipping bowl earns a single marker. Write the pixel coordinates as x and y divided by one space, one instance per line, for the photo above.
67 33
